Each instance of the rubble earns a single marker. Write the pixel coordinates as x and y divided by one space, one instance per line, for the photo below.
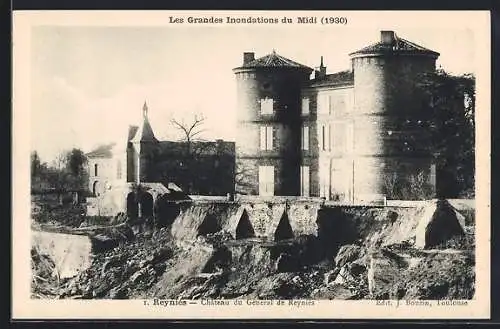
374 257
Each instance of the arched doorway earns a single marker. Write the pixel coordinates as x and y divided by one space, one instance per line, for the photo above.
132 208
146 205
95 188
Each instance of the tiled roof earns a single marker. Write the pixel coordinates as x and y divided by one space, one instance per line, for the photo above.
334 79
399 45
274 60
103 151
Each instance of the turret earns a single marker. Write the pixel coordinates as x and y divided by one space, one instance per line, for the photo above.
389 135
269 124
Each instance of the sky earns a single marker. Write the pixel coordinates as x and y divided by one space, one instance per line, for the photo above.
88 84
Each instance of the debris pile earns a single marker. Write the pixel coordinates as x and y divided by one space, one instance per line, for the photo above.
45 281
124 271
374 257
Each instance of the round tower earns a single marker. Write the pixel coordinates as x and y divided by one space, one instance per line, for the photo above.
269 125
390 151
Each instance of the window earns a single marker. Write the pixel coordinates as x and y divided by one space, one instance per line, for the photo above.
266 180
305 138
325 138
324 181
304 180
329 137
266 138
305 105
266 106
118 169
95 170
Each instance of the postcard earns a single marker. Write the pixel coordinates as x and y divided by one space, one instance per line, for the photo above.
251 165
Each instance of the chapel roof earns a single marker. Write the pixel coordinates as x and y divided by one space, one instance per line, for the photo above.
145 132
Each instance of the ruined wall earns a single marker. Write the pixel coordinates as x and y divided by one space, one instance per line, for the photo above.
108 204
114 201
106 173
202 218
422 224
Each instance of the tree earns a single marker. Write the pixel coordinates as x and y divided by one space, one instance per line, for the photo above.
66 172
75 161
451 128
75 165
35 164
191 132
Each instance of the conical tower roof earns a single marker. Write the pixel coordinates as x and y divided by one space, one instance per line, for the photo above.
273 60
397 45
145 132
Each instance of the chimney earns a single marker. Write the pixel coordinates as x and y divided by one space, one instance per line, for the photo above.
248 57
387 37
320 72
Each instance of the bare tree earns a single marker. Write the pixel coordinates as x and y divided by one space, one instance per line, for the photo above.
60 161
191 132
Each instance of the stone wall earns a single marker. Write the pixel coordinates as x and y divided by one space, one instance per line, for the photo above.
388 127
107 173
422 224
283 87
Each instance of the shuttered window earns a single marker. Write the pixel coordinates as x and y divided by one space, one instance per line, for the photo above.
305 106
266 138
266 180
305 138
304 180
